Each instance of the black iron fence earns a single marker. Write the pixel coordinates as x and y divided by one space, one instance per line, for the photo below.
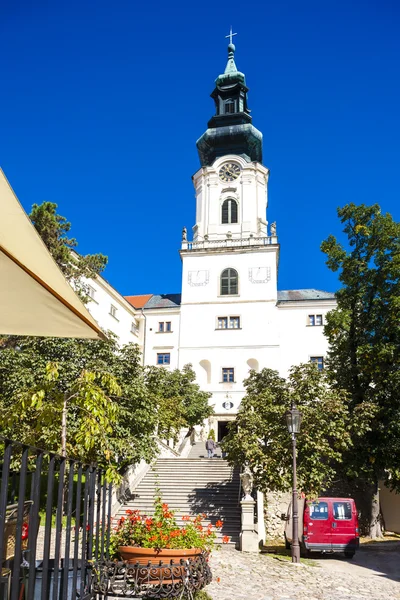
55 516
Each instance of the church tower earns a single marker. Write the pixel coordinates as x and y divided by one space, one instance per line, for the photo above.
228 321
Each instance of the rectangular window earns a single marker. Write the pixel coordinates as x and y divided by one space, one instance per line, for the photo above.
161 327
234 322
134 327
228 323
319 361
315 320
113 311
90 291
168 326
222 322
342 511
318 511
164 358
228 375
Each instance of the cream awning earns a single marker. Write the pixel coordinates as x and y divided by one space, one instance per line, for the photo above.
35 297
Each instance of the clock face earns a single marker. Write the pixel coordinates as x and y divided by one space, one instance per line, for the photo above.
229 172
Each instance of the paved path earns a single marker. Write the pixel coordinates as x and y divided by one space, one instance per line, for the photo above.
373 574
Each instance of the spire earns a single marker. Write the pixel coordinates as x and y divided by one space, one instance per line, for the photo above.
231 74
230 65
230 130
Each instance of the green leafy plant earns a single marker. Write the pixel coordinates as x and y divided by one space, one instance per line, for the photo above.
161 530
211 435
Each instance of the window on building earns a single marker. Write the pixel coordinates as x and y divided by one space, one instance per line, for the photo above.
90 291
134 327
229 211
228 323
222 322
113 311
164 327
168 326
161 327
315 320
229 107
319 361
234 322
229 282
228 375
163 358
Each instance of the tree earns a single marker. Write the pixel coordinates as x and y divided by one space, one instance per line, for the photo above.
260 438
93 401
364 337
179 400
53 229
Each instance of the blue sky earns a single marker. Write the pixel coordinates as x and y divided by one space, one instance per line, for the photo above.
102 103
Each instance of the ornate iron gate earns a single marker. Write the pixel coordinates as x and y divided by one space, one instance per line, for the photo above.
55 516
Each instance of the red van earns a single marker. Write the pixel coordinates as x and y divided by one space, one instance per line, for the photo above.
325 525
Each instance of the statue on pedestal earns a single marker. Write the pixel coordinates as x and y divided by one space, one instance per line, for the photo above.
246 478
184 234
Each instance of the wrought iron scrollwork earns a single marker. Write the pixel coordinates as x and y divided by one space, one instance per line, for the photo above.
161 580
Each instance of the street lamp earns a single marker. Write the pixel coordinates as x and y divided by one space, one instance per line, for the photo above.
293 421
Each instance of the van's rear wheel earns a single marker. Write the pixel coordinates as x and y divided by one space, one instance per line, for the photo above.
349 554
287 544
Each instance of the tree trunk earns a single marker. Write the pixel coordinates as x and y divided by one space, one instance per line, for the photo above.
375 518
64 427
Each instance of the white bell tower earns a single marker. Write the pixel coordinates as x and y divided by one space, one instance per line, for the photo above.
229 321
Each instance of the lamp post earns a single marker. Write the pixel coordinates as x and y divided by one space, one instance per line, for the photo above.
293 420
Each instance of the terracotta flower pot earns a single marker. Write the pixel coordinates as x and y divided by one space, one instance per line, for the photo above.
143 556
173 574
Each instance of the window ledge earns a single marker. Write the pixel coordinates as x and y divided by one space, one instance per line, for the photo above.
228 381
228 328
114 317
228 296
164 332
92 300
315 325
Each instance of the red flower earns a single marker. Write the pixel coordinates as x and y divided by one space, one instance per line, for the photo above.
204 516
129 512
219 523
186 518
225 539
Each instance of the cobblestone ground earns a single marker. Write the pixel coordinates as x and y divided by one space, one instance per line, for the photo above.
238 576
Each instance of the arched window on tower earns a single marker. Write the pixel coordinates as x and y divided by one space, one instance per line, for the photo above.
229 211
229 282
229 107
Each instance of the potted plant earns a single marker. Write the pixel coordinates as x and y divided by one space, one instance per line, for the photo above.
142 539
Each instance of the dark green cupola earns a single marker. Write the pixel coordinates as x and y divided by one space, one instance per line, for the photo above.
230 130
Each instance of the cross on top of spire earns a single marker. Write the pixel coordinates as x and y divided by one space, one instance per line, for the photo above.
230 36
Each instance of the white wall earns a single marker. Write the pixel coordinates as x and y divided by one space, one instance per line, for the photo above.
298 340
156 342
121 324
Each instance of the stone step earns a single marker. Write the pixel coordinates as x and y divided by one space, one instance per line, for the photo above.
213 511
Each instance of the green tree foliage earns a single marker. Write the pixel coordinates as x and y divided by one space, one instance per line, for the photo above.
112 406
54 229
179 400
364 336
260 438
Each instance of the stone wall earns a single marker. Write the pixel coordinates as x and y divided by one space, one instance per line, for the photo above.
275 503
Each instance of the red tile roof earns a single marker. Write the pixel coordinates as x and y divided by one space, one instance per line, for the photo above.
138 301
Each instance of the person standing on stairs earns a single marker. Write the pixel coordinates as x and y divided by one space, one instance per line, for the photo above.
210 447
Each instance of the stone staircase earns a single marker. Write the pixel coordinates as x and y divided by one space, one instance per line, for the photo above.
191 486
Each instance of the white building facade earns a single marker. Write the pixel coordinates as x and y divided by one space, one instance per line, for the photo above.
230 316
